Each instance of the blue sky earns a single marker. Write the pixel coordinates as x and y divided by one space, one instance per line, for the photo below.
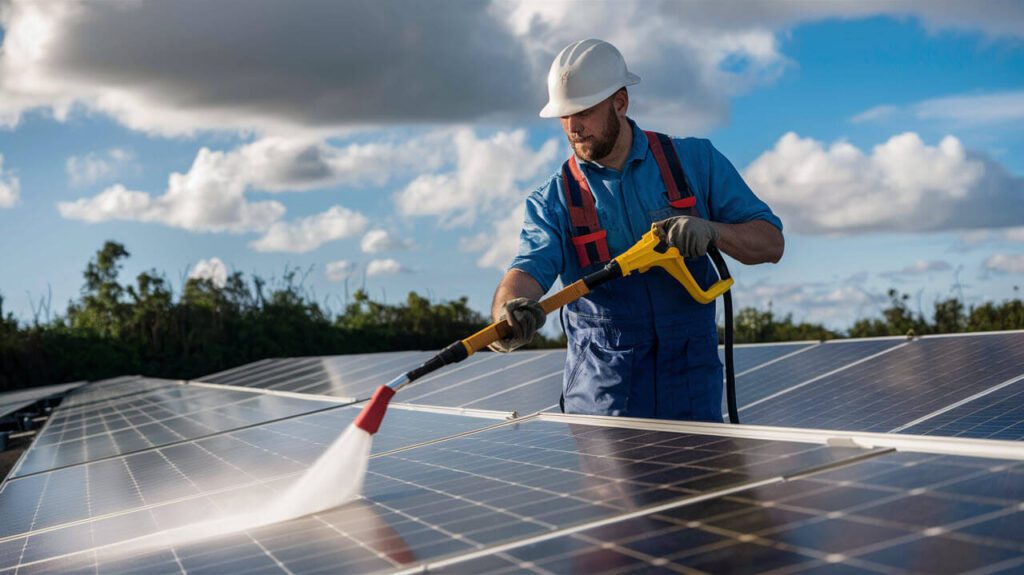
887 136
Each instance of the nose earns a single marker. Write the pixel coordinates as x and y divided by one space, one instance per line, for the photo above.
573 125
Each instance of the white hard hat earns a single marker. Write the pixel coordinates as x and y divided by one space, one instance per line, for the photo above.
583 74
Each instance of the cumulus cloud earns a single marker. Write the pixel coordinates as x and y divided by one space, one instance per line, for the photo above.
918 268
309 233
320 64
900 185
211 195
99 166
1006 263
832 304
385 267
10 188
488 176
340 270
378 240
209 198
212 269
315 64
498 245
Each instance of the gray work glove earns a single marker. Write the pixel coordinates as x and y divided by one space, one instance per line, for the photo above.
526 317
690 235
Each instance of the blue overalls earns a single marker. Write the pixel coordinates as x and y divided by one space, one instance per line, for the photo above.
639 346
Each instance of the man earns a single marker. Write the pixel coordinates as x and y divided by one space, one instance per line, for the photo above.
639 346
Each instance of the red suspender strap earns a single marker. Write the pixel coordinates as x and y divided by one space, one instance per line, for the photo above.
677 189
588 238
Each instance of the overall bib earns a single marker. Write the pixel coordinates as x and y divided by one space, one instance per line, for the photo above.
639 346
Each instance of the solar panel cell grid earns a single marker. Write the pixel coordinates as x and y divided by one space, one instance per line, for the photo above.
868 517
995 415
746 357
148 420
480 489
898 387
811 363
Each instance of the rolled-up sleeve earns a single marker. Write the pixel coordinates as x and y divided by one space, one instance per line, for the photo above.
540 242
730 199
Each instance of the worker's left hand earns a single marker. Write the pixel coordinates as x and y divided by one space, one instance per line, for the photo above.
525 317
690 235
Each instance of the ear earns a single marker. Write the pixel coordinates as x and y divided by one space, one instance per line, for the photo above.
620 100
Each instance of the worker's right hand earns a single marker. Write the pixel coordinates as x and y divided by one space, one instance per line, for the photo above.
525 317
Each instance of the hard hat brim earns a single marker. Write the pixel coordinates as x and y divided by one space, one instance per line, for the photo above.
555 109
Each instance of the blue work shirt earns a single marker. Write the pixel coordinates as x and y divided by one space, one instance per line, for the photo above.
627 202
640 345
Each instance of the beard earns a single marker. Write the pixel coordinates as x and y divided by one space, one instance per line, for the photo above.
598 146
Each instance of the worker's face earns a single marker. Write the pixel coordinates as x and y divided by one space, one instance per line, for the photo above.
593 132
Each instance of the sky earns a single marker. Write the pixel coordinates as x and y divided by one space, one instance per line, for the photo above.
390 144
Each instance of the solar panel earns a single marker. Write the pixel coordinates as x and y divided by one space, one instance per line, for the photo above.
995 413
898 387
162 416
479 385
574 485
901 512
524 381
809 364
12 401
354 376
165 487
749 356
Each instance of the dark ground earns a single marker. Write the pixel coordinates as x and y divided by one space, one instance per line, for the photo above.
15 447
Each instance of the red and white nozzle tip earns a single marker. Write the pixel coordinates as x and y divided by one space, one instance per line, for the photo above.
373 413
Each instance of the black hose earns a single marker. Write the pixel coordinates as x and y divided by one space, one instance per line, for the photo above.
730 371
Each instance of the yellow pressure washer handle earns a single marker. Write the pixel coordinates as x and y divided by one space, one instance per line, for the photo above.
651 251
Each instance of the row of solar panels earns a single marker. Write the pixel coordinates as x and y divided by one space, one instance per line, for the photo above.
963 385
123 462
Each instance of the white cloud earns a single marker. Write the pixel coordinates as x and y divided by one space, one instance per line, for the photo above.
98 166
378 240
500 243
384 267
353 64
832 304
875 114
488 177
976 109
10 188
212 269
309 233
1006 263
210 197
919 268
340 270
901 185
1014 234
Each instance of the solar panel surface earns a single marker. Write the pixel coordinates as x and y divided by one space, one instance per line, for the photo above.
996 413
810 363
12 401
746 357
897 387
152 418
902 513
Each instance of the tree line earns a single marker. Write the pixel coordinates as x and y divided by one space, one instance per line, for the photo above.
117 328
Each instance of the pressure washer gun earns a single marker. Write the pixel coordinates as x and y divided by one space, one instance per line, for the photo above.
651 251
